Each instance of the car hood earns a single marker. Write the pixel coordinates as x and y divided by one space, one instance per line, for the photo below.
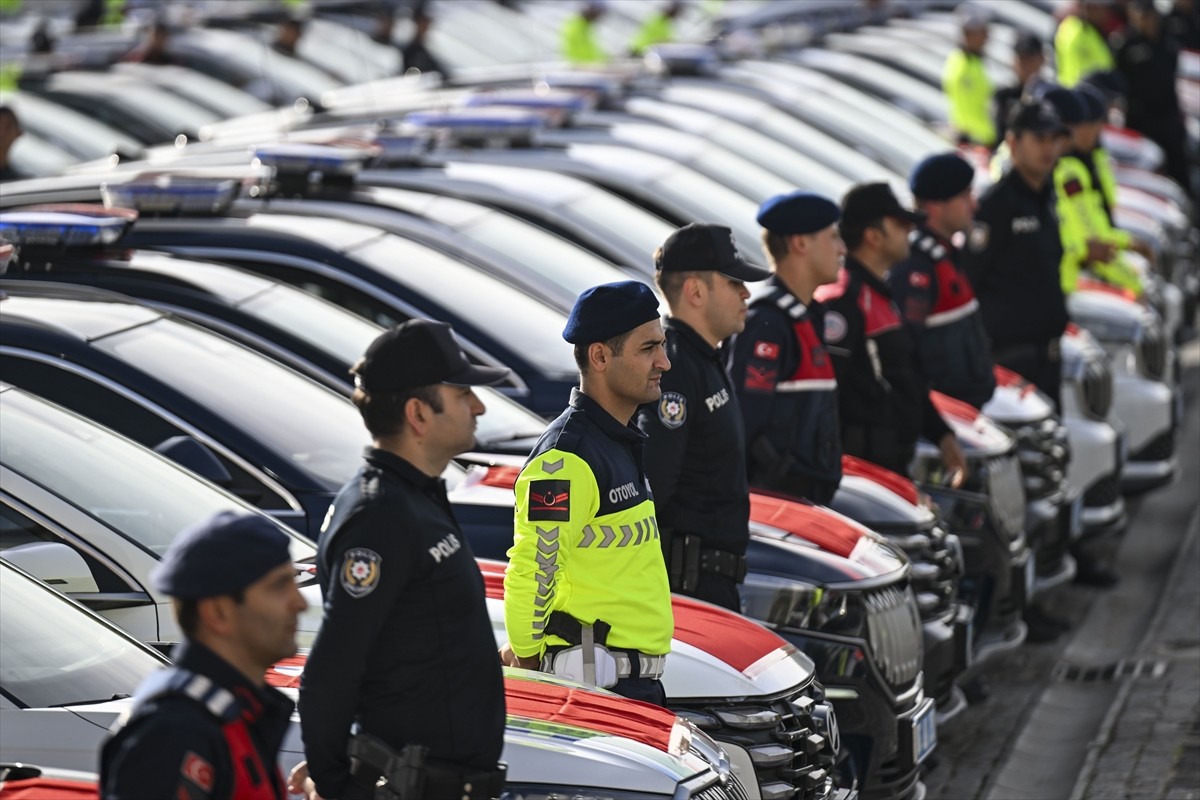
977 434
714 652
1016 401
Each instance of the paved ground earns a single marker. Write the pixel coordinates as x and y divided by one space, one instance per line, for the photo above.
1112 709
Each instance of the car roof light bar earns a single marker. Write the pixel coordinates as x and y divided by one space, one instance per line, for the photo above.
487 126
344 158
158 194
61 229
562 101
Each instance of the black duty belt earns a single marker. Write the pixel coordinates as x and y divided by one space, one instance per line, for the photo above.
410 776
687 558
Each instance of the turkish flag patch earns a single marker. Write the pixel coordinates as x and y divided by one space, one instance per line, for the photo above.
198 771
767 350
550 500
1072 187
918 280
761 379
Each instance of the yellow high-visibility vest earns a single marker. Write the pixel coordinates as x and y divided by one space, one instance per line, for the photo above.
1081 217
969 95
1080 50
579 45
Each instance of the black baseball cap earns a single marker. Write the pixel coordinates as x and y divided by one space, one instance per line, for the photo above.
420 352
1035 116
1028 44
867 202
699 247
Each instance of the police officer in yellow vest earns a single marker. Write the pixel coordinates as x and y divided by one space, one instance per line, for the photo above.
1088 237
967 85
579 45
1080 47
658 28
586 594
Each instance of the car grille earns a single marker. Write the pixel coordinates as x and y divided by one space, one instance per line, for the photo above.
1096 387
936 571
894 634
731 790
794 758
892 782
1043 453
1006 494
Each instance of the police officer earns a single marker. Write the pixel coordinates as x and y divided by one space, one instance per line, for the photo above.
209 727
696 450
1090 241
936 301
784 380
966 83
579 43
883 400
1080 46
586 593
1012 256
406 649
1029 57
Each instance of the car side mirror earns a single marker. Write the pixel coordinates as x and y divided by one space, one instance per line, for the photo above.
54 563
191 454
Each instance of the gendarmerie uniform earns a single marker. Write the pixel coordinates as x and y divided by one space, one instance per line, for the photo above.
406 650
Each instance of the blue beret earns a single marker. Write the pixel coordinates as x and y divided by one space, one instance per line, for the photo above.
941 176
221 555
1093 101
609 310
798 212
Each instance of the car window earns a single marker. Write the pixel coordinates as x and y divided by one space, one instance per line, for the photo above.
55 653
317 429
505 418
141 496
17 529
126 416
315 321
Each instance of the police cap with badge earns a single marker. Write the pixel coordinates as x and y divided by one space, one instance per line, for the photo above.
699 247
221 555
798 213
420 352
608 310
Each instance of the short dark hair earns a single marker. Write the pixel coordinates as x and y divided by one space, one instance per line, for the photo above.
854 233
616 344
776 245
383 412
187 612
670 282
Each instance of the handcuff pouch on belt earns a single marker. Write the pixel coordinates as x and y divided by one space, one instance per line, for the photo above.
587 660
687 559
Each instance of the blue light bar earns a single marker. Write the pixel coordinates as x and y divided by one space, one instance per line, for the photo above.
172 194
492 126
683 58
407 148
541 99
61 229
327 159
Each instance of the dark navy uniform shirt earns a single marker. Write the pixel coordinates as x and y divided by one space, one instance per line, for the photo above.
1012 259
696 451
173 747
940 310
406 646
787 391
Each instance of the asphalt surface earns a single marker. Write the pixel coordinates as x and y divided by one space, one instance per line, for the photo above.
1112 708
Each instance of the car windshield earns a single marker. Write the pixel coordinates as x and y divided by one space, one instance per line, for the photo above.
55 653
140 495
318 430
69 130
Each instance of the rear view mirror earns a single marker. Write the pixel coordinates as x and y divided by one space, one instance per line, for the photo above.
54 563
192 455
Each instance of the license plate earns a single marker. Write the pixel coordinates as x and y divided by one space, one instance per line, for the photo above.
924 732
1030 577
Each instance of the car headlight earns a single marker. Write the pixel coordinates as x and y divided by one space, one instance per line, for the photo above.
789 603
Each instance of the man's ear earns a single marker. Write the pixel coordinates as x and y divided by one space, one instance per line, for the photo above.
417 414
216 614
694 291
798 243
599 356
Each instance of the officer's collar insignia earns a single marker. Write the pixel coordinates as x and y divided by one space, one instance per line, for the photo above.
360 571
978 239
672 410
551 467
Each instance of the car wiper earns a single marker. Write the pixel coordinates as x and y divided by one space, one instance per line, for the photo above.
118 696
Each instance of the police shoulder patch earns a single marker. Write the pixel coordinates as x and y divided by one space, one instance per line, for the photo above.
977 240
198 771
361 569
835 326
672 410
549 500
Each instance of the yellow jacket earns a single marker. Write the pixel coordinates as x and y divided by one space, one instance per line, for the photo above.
1082 217
1080 50
969 94
655 30
586 541
579 45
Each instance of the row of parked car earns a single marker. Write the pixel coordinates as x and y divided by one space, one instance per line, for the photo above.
177 323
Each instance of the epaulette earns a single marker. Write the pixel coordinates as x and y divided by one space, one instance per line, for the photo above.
178 682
